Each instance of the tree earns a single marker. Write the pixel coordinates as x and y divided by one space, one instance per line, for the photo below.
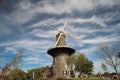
104 67
17 74
17 61
109 55
36 73
82 64
71 60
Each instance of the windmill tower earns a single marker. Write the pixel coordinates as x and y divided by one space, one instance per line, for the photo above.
60 53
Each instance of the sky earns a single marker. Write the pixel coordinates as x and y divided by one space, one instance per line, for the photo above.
23 24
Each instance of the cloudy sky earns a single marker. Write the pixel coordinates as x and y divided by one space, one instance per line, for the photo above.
23 25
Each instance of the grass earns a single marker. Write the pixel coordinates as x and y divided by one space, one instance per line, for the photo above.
80 79
88 79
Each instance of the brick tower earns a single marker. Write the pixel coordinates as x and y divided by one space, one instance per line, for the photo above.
60 53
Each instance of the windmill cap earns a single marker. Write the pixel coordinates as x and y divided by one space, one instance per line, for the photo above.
56 50
60 33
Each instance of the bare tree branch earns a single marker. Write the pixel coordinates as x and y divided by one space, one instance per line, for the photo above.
110 57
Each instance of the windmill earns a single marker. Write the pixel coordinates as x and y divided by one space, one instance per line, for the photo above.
61 34
60 52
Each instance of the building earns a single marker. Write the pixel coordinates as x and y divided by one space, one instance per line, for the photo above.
60 53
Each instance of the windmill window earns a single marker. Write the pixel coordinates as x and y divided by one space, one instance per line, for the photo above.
64 72
69 72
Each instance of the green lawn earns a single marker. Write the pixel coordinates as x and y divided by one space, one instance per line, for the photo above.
82 79
89 79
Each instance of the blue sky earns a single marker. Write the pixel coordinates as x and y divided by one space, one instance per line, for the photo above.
22 25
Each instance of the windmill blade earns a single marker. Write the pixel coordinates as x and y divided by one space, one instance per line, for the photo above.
65 26
57 40
52 27
73 36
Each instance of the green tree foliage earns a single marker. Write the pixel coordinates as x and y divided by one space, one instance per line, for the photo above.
83 65
81 62
17 74
106 73
71 60
36 73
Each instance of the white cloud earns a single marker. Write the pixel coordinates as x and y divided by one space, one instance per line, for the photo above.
94 19
80 5
35 59
10 49
108 3
97 66
32 45
42 33
6 44
22 13
24 4
32 60
52 21
90 50
26 10
67 6
101 39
